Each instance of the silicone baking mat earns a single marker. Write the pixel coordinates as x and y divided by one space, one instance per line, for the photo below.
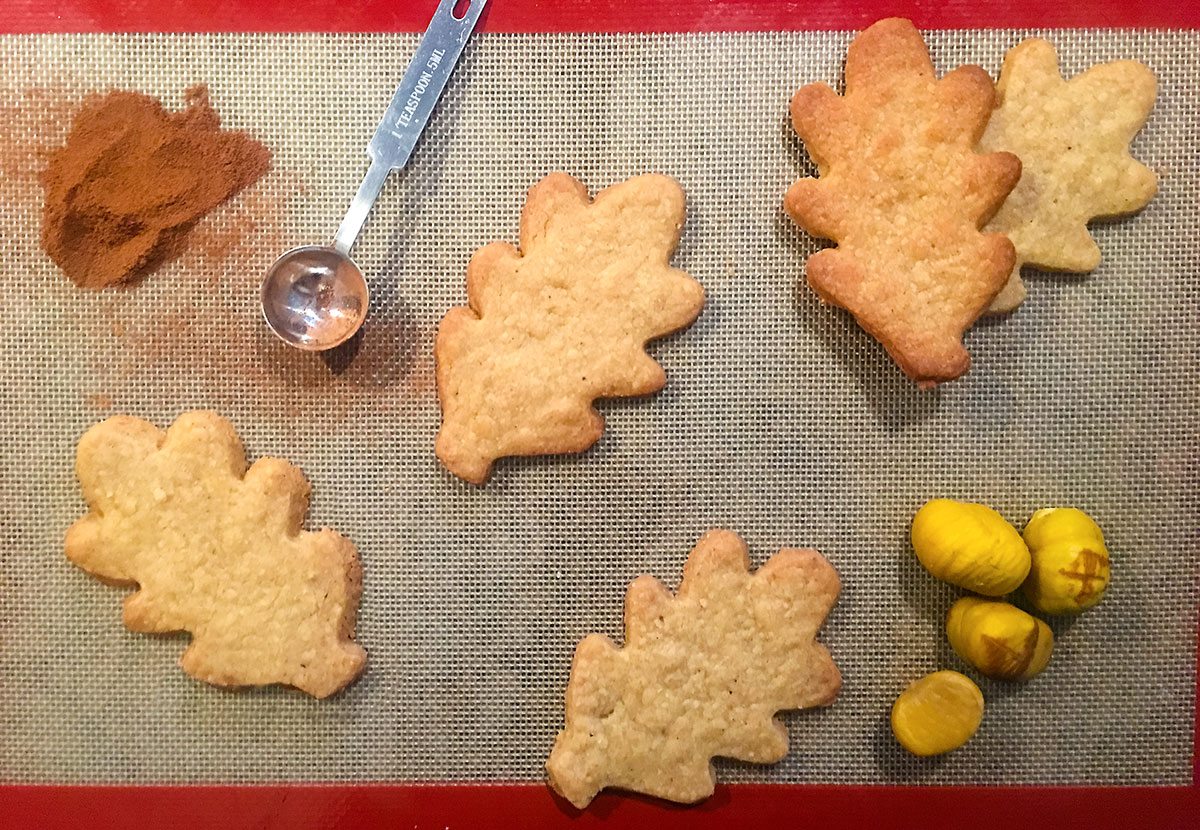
781 420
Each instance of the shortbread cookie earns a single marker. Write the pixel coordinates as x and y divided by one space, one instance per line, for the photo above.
1073 141
562 322
904 194
217 550
702 673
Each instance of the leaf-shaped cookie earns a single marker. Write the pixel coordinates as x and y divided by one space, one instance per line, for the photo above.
218 550
562 322
1073 141
702 674
904 194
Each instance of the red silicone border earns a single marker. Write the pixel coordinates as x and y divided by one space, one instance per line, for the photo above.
23 16
319 807
521 806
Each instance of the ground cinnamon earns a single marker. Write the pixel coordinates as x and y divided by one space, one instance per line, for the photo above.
132 180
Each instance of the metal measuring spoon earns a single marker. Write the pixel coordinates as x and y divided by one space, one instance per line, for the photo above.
315 297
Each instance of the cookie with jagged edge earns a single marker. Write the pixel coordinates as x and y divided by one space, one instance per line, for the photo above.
702 673
216 549
1073 140
904 194
561 322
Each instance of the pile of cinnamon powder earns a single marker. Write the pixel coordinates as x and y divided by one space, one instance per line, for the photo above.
133 179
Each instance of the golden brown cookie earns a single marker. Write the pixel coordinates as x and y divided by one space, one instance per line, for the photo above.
217 549
903 194
562 322
1073 141
702 673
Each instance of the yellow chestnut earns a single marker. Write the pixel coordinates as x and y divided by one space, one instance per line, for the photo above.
937 713
1070 561
971 546
999 639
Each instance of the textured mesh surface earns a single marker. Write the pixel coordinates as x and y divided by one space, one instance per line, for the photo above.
781 420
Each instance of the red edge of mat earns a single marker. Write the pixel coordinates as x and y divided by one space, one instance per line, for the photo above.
25 16
532 805
445 806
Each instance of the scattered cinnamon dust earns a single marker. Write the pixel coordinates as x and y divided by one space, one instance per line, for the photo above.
132 180
29 129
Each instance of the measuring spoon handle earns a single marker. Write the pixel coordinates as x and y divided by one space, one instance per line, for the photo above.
422 86
412 105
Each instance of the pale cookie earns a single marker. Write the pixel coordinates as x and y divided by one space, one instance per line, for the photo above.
1073 141
702 674
217 550
904 194
562 322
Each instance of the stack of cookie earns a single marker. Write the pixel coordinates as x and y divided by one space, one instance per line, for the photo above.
938 191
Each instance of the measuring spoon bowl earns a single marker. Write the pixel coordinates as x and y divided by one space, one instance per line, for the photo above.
314 298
